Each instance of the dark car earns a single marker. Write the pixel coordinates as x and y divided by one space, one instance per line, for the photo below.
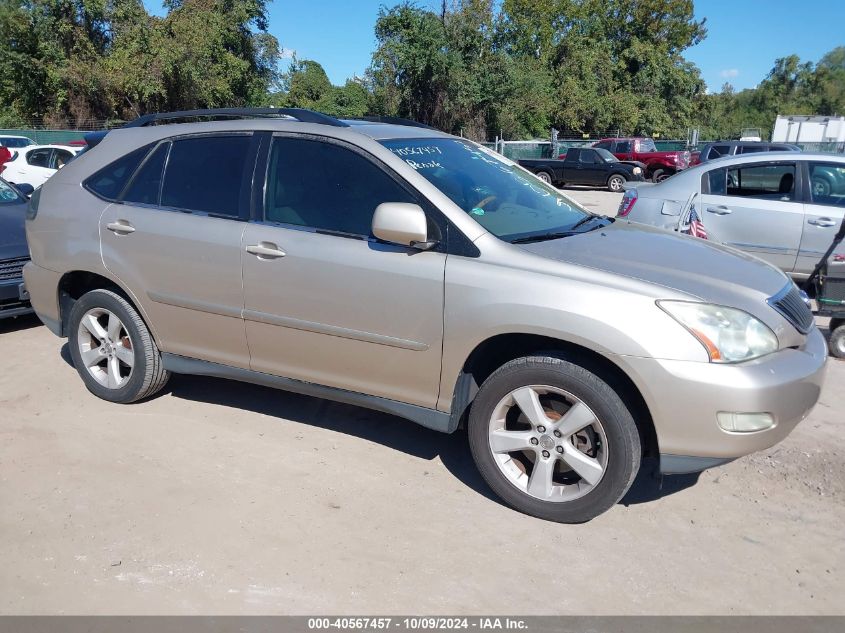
718 149
14 252
586 166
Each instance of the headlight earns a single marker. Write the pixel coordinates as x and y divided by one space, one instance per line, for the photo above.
729 335
637 170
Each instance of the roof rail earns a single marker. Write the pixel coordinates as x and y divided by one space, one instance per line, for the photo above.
393 120
300 114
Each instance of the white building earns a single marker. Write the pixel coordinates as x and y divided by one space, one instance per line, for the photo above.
809 129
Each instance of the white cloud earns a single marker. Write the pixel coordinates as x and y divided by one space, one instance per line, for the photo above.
729 72
287 53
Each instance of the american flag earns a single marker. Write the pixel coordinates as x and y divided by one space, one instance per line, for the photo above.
695 226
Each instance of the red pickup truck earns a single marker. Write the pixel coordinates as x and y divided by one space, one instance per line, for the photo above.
658 165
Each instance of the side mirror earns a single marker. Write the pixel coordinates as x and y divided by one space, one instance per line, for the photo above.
402 223
26 189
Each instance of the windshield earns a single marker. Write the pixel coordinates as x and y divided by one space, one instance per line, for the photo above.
507 201
606 156
15 142
7 194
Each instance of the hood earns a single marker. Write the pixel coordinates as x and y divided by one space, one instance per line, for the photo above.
12 236
708 271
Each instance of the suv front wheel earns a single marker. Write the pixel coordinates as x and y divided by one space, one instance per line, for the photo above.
113 350
553 440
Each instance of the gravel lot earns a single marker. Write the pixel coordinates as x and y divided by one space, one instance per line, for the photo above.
225 498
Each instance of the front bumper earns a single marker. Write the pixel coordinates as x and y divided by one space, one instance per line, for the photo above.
685 397
14 299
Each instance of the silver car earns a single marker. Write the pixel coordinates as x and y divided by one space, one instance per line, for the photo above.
783 207
402 269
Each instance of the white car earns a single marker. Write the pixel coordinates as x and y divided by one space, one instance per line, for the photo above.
16 142
34 164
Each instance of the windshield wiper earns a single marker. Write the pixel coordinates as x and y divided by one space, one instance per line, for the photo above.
543 237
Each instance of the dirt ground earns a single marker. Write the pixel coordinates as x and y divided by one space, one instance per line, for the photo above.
225 498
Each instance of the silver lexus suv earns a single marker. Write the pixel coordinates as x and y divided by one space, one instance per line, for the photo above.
391 266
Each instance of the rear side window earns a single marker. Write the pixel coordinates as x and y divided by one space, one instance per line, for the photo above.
111 179
326 186
205 174
753 149
145 186
623 147
718 150
770 182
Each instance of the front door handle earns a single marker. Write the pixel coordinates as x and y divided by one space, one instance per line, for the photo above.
121 227
825 222
265 250
720 210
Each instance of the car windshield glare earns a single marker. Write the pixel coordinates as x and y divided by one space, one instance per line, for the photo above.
506 200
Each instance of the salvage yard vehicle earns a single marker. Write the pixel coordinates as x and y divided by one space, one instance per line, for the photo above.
399 268
34 164
586 166
659 165
784 207
14 253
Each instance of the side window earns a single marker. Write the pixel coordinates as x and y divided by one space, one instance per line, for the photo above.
605 145
719 150
623 147
60 158
827 183
205 173
770 182
752 149
646 145
325 186
39 157
111 179
145 186
713 182
588 156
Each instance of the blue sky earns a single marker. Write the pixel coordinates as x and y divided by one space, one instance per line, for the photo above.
744 36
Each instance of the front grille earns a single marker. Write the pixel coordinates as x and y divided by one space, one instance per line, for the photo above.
791 305
12 268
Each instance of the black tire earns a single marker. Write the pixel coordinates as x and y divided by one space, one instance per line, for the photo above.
616 182
623 439
546 177
837 341
147 376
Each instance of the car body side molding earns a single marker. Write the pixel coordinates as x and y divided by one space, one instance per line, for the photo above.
429 418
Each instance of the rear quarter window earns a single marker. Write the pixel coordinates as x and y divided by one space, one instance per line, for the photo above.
108 182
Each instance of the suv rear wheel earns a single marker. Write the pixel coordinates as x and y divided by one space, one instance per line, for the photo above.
553 440
113 350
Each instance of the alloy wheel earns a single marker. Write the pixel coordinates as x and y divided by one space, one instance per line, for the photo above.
548 443
105 348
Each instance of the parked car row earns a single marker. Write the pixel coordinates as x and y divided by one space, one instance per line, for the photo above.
399 268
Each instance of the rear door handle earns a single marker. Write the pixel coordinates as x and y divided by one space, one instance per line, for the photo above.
121 227
265 250
825 222
720 210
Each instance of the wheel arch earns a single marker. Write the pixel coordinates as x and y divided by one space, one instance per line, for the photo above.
495 351
75 283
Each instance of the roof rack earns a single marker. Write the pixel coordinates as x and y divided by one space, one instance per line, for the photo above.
300 114
393 120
